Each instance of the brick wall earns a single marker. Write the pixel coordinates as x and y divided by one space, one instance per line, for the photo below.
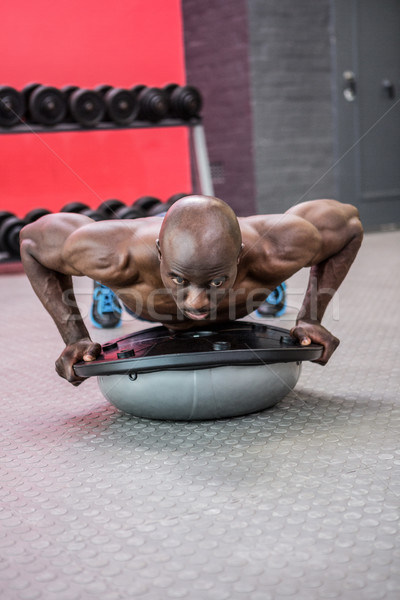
216 47
292 103
264 69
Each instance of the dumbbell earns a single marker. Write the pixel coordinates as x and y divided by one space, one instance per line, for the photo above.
12 106
150 205
9 234
103 88
153 103
175 197
74 207
28 89
146 203
26 93
96 215
121 105
86 107
35 214
185 101
128 212
157 210
5 214
108 207
46 104
82 209
162 207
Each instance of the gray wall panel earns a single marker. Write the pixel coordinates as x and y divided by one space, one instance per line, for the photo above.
291 101
264 68
216 47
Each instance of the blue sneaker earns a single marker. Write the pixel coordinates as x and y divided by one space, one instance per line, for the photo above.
275 303
106 309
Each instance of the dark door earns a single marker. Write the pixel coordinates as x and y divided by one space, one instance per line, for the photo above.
367 54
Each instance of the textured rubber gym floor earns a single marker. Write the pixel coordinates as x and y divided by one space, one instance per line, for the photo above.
299 501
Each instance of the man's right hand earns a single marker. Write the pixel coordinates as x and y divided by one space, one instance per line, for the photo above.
85 350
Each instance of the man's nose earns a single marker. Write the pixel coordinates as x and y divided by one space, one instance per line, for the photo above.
197 298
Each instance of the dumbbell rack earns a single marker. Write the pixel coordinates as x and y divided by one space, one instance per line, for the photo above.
198 145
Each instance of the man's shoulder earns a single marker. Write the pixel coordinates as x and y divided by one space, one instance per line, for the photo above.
270 227
283 243
113 249
112 232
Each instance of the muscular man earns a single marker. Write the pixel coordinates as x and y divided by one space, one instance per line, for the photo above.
198 265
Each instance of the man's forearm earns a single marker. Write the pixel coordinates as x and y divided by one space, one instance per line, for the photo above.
325 279
55 291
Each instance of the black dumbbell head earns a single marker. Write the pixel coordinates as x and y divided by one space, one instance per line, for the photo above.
28 89
96 215
108 207
122 106
87 107
153 104
68 90
103 88
9 235
128 212
172 199
145 203
12 106
157 209
74 207
136 89
5 214
35 214
47 105
169 88
185 102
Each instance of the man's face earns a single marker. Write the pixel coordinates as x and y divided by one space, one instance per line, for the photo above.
198 283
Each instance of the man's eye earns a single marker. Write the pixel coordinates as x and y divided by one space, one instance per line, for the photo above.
178 280
217 282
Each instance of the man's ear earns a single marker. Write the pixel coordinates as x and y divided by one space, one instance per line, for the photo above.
158 249
240 253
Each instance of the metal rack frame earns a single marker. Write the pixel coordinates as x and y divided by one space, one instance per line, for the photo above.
198 147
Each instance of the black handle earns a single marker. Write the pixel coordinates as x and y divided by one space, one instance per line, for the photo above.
389 89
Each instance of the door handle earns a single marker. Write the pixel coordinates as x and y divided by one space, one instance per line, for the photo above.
349 86
389 89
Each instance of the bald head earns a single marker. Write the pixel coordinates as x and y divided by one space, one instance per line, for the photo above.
199 248
201 224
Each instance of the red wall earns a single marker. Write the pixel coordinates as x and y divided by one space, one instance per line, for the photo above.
121 43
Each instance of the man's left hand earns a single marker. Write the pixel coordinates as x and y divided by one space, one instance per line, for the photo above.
307 333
